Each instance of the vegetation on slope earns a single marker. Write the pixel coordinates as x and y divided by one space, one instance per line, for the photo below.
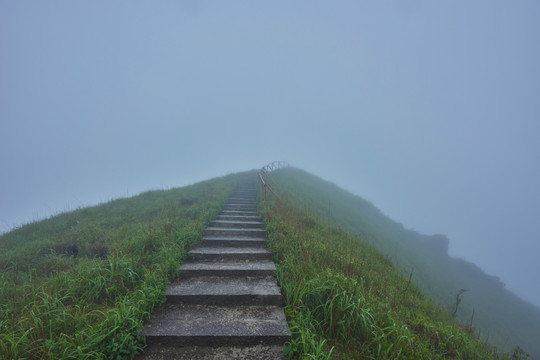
325 254
80 284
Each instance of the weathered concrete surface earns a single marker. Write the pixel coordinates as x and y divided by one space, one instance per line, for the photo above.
225 231
226 291
228 268
239 241
242 201
229 253
256 352
202 325
239 207
239 212
238 217
236 224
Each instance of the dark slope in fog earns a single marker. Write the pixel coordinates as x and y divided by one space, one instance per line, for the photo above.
499 315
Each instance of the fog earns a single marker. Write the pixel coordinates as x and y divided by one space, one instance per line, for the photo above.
430 110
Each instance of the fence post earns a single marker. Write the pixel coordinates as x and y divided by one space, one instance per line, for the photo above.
267 169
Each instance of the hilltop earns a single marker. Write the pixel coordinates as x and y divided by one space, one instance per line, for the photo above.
356 284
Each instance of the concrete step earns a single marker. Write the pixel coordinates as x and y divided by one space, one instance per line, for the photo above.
244 197
238 213
225 291
240 208
209 325
227 304
228 268
229 253
224 241
231 232
236 224
245 192
239 217
251 352
241 200
234 206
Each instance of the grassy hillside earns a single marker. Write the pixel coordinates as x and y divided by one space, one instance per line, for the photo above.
80 284
497 315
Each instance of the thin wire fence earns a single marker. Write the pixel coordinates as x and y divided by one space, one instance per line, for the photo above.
265 179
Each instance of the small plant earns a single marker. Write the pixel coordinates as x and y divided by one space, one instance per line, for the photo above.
458 301
519 354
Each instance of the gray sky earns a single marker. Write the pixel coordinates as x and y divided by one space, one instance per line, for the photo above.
429 109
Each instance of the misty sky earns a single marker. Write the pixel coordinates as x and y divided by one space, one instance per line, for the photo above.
429 109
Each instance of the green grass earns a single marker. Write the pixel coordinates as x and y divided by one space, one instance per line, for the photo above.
79 285
345 300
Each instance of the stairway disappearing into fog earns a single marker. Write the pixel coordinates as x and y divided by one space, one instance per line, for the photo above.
227 304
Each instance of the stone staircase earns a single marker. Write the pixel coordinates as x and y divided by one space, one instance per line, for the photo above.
227 304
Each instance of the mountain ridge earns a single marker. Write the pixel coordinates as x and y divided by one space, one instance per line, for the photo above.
425 258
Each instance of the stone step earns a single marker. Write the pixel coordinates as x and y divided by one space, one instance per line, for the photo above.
236 224
243 200
245 191
232 204
238 217
244 196
225 291
238 213
227 304
228 268
232 232
251 352
209 325
223 241
239 208
229 253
